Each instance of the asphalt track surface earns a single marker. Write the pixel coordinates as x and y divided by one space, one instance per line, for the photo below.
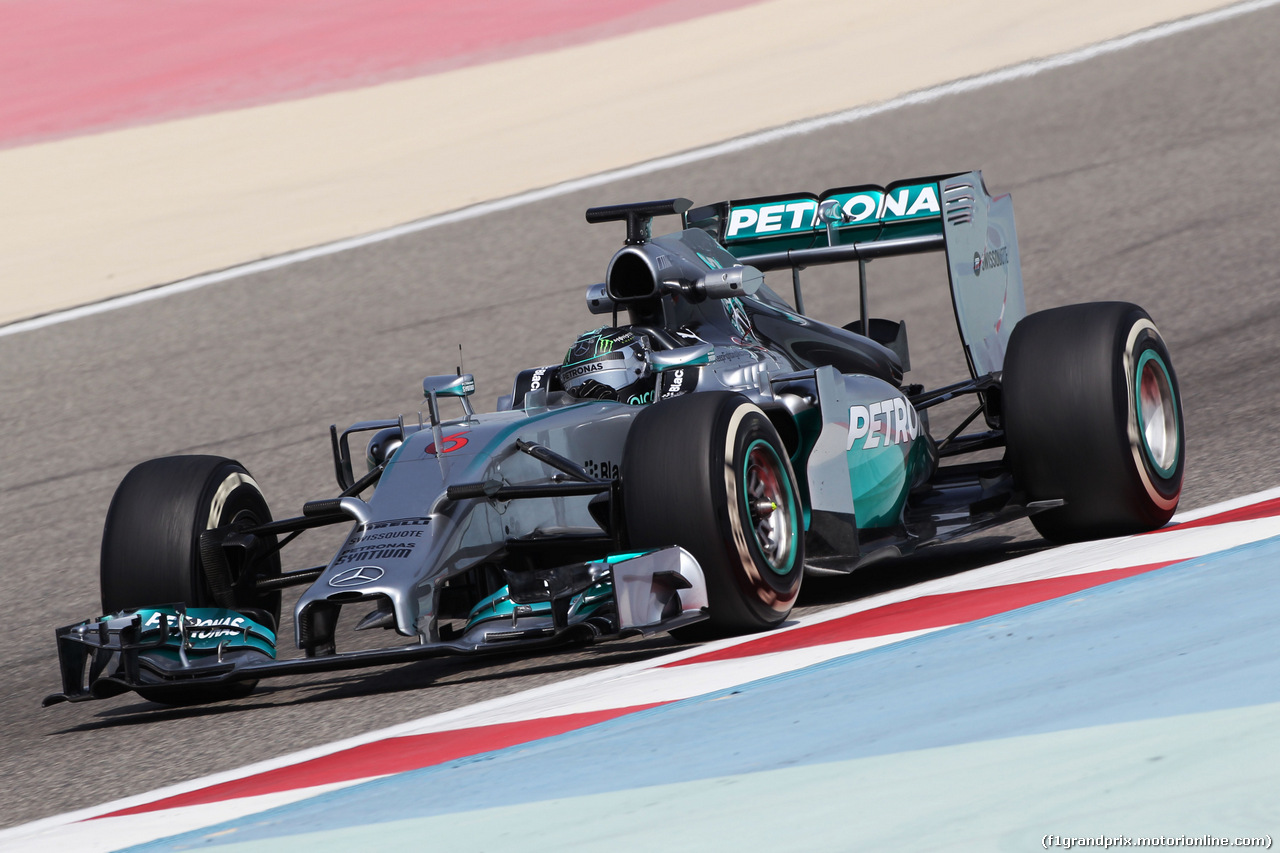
1146 175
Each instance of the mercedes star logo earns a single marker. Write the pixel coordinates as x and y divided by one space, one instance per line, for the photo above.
357 576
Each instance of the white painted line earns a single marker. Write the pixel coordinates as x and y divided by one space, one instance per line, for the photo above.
672 685
1226 506
115 833
641 687
923 96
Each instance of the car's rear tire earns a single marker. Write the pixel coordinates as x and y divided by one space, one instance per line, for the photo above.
151 548
708 472
1092 415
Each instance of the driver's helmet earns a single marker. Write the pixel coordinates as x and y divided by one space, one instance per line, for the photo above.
608 364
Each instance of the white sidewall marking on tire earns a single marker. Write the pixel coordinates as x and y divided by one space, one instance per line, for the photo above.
732 496
764 591
229 485
1135 428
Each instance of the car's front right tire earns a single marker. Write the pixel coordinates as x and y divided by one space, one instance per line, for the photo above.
151 548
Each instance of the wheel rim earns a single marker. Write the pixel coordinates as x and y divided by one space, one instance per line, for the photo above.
1157 413
770 506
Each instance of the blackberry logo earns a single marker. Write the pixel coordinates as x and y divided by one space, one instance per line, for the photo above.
676 386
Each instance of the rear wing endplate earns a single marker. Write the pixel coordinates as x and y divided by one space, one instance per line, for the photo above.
950 213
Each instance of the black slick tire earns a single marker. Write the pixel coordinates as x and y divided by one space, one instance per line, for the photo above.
151 548
709 473
1093 416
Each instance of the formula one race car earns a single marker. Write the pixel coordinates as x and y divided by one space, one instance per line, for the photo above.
680 470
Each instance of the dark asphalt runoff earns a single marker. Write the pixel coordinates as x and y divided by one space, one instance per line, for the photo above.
1150 175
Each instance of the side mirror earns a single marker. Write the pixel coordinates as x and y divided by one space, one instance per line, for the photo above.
731 281
449 386
682 357
434 387
599 301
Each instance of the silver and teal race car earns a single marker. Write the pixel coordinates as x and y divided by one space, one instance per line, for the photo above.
679 470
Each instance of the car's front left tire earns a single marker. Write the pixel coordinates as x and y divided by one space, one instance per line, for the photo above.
708 472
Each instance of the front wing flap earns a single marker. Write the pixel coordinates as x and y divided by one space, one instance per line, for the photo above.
655 591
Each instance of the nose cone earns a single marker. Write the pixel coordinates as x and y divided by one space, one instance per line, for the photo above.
380 559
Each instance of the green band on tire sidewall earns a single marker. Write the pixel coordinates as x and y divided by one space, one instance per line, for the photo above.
796 531
1149 356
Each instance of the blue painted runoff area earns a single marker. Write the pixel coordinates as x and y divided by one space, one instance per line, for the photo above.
1181 646
1194 775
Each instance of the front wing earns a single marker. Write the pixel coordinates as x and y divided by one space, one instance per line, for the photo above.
654 591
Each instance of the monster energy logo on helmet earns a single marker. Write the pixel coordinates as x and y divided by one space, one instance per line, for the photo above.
608 364
596 342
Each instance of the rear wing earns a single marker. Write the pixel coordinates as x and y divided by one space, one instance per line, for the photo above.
950 213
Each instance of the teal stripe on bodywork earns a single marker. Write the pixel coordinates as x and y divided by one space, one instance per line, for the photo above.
236 631
881 478
481 458
809 425
499 606
482 453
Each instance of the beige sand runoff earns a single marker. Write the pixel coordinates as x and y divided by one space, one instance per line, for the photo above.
97 216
